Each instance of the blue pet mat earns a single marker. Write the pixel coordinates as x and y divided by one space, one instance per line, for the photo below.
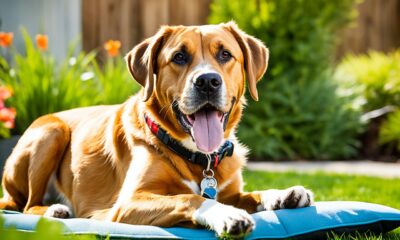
303 223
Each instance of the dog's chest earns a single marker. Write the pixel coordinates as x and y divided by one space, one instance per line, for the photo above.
193 186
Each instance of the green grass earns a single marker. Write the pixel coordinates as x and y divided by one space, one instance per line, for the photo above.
325 186
334 187
328 187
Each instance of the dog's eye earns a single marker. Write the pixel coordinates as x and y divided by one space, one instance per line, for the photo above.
224 56
180 58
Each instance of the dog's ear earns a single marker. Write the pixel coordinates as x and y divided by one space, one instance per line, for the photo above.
255 57
142 60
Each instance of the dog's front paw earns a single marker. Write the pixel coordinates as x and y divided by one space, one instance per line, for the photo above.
237 223
293 197
58 211
226 221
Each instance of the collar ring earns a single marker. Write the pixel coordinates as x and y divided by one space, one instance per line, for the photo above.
208 173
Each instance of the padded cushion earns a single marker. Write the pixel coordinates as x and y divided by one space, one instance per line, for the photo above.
310 222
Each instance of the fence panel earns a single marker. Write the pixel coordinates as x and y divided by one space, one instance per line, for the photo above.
131 21
377 26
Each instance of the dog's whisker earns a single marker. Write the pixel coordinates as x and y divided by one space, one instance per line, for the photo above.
160 112
165 108
168 109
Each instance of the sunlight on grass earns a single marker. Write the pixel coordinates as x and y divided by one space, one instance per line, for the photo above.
331 187
334 187
366 236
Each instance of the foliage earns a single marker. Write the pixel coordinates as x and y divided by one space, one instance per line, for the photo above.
299 114
43 86
373 81
40 87
390 129
4 132
45 230
115 83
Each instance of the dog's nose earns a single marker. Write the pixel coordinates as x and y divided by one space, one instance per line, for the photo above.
208 83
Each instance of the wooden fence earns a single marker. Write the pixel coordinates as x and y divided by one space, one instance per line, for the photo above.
130 21
377 28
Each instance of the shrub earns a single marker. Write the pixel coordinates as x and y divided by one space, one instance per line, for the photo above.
43 86
299 114
373 81
390 130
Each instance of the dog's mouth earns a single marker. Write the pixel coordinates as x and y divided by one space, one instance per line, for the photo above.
206 126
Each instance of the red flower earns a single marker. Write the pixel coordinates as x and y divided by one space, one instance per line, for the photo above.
42 42
112 47
6 39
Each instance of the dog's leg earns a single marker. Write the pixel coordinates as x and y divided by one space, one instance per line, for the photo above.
272 199
293 197
167 211
34 159
7 203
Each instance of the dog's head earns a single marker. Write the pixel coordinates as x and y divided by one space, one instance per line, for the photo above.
194 79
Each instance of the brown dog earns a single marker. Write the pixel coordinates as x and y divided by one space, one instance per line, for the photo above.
167 156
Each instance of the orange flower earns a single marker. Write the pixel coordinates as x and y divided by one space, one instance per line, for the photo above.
6 39
7 116
5 93
42 41
112 47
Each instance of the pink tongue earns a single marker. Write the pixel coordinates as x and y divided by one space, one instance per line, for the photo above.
207 130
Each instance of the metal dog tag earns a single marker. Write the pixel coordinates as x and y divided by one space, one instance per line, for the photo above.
208 182
209 187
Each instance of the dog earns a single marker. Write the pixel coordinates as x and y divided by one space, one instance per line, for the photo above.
166 157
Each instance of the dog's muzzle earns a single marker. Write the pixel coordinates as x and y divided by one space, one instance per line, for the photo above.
203 111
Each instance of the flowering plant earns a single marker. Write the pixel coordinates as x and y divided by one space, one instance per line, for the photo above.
44 85
7 114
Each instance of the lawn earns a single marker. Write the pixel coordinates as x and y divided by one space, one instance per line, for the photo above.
325 186
334 187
